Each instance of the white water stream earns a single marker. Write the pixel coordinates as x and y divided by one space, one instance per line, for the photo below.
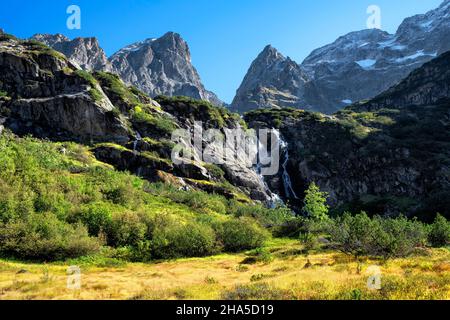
282 147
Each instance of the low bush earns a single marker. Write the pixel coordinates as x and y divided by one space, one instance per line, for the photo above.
439 235
126 229
360 235
241 234
397 237
44 237
188 240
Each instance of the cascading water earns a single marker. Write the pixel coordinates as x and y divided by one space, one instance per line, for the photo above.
274 199
282 146
136 141
287 182
135 144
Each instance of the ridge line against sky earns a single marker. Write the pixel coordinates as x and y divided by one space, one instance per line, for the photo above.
224 36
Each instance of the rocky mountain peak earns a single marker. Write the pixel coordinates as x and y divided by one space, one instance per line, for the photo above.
86 52
270 54
161 66
50 39
272 81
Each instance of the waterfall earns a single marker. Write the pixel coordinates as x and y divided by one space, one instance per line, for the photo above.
287 182
274 199
136 141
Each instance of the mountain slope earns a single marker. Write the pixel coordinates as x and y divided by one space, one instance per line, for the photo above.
42 93
356 66
393 153
45 94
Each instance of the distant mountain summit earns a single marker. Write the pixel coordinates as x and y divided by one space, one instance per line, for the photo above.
356 66
161 67
272 81
156 66
86 52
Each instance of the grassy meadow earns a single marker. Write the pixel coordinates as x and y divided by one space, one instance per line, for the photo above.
279 271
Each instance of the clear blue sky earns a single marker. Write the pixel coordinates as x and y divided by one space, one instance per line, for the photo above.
224 35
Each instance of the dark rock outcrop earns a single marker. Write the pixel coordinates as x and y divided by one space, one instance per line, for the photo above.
47 96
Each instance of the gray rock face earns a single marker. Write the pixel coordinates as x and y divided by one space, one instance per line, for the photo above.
46 96
356 66
86 52
161 67
272 81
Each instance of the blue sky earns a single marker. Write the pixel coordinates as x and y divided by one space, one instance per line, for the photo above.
224 35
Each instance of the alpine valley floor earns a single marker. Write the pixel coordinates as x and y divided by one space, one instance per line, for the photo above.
284 273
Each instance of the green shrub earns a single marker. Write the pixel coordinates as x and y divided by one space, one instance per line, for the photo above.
188 240
397 237
44 237
241 234
360 235
96 217
126 229
276 218
439 235
354 235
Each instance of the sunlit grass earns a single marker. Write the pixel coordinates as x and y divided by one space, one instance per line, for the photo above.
331 275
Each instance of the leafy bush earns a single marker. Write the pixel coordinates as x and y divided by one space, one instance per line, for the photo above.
360 235
397 237
189 240
275 218
96 216
44 237
243 234
439 235
126 229
354 235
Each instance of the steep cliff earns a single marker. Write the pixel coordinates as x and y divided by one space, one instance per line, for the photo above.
388 155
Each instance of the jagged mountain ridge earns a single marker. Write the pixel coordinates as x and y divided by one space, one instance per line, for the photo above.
356 66
156 66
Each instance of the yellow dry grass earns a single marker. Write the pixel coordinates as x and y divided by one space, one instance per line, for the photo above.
331 276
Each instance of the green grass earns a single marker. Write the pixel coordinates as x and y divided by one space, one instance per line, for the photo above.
95 93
